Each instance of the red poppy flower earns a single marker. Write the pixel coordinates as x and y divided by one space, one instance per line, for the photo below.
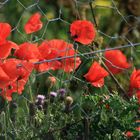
134 82
34 24
135 79
18 72
82 31
5 30
138 128
96 75
28 51
56 49
116 61
129 134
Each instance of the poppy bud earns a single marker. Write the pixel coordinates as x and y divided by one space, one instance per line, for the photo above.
51 81
138 128
107 106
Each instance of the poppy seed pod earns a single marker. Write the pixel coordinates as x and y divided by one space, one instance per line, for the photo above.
52 79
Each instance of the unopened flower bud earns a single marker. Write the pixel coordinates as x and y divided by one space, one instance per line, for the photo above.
69 100
51 81
68 103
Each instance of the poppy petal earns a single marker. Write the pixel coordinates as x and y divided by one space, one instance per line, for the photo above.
5 30
118 63
96 74
5 49
98 83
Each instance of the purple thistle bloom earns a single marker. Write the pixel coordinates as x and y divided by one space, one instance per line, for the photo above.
54 94
40 99
62 91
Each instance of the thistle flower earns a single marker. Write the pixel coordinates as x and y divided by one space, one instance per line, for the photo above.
62 93
40 100
53 95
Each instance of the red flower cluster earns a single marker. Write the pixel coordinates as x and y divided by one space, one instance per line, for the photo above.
96 75
116 61
82 31
56 54
52 49
14 73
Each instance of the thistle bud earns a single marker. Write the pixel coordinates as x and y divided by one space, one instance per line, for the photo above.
62 93
69 100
